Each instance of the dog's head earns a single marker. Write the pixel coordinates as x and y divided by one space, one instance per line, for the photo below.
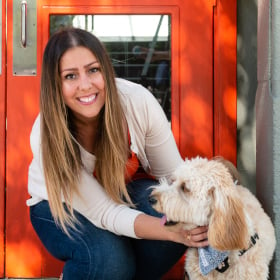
203 192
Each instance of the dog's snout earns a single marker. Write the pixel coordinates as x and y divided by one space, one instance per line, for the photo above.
152 200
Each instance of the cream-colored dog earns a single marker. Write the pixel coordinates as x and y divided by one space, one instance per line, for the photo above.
204 192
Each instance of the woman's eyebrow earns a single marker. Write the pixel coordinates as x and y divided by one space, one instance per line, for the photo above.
94 62
75 68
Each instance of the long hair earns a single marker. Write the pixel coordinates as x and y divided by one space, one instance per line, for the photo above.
61 155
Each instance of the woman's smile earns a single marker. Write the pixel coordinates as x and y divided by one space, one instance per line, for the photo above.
83 86
88 100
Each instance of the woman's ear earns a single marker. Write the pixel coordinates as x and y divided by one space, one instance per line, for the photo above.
228 229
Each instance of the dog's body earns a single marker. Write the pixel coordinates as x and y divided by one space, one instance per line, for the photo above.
203 192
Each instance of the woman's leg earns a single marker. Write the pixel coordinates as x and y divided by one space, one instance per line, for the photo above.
91 253
153 258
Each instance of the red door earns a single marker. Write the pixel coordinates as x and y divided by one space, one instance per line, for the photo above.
202 90
2 132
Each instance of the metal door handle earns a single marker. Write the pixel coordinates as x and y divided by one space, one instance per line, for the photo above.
24 37
23 22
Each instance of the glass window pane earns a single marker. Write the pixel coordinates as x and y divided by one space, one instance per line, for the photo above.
139 47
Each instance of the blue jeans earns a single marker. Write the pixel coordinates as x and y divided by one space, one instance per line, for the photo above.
93 253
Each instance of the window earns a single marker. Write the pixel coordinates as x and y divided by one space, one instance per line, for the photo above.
139 47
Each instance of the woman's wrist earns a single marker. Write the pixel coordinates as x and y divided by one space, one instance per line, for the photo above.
148 227
173 236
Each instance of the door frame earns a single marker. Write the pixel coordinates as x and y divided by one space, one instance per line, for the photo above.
2 134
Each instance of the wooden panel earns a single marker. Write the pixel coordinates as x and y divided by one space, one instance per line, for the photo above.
2 136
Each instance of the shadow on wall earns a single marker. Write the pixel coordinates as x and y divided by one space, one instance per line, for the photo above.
247 18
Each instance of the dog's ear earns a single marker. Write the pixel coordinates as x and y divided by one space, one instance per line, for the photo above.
228 228
231 168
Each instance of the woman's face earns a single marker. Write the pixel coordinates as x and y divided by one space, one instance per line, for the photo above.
82 83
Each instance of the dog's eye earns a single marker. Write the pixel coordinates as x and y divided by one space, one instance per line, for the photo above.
184 188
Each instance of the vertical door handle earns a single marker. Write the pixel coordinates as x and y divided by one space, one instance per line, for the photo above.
24 37
23 22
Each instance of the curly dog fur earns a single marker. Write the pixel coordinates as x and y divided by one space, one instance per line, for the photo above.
203 192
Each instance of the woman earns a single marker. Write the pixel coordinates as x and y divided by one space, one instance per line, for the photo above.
98 145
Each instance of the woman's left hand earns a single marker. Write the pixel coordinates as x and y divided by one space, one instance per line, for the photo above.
196 237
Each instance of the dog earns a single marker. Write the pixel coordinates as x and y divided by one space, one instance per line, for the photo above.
206 192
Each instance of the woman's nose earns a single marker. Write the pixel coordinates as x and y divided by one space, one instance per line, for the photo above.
85 82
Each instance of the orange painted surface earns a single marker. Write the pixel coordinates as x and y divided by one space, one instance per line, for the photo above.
203 104
23 257
196 96
225 95
2 141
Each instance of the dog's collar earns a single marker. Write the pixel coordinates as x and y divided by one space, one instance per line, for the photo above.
253 240
223 266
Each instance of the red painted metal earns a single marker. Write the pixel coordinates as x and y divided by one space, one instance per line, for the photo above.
225 71
2 139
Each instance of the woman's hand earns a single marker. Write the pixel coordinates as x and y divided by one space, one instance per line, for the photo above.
196 237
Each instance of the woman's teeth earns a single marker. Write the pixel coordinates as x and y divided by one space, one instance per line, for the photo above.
87 99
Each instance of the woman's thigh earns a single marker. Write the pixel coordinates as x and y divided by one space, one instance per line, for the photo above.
90 252
153 257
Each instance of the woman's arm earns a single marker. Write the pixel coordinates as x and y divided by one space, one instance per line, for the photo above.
96 205
150 130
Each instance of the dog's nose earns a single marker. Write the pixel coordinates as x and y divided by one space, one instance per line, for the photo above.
152 200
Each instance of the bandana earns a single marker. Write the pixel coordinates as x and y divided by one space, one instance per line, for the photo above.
210 259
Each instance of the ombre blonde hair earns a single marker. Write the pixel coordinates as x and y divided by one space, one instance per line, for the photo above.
60 152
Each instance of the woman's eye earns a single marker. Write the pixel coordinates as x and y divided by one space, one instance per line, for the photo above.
70 76
94 70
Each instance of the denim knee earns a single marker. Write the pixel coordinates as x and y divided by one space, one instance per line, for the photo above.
92 261
91 253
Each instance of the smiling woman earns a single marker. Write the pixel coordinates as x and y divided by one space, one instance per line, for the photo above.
99 144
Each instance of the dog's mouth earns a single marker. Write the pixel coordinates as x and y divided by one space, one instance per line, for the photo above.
167 223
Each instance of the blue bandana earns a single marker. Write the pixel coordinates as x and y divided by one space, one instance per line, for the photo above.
210 258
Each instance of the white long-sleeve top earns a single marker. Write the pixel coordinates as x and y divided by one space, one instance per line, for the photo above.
151 139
